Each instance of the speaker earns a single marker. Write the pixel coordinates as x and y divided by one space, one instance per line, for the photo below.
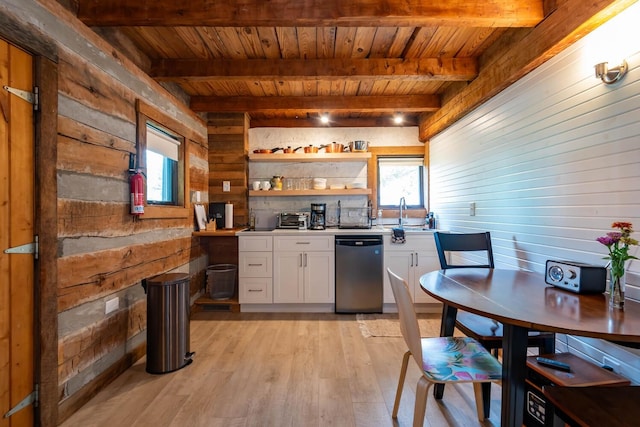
576 277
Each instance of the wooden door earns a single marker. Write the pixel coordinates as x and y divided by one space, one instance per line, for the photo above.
16 229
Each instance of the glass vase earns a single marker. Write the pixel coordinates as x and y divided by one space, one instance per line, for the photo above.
616 289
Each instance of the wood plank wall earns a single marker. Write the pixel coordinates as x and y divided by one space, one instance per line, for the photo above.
102 251
551 162
228 149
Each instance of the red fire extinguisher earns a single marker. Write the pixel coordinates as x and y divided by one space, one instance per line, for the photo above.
136 185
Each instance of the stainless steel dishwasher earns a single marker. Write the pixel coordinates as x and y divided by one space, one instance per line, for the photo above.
359 274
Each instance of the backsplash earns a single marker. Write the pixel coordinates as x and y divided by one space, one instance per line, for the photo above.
336 173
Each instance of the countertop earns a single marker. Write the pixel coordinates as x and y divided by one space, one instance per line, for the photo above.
332 231
221 232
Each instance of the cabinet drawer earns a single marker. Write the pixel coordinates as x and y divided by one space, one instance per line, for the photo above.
255 290
255 243
255 264
303 243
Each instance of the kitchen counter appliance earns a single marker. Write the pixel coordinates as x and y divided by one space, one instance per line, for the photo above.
359 273
291 220
318 216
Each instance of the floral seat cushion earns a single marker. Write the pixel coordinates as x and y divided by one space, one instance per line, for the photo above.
458 359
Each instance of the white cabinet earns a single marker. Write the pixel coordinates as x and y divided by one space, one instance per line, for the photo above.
410 261
255 270
303 269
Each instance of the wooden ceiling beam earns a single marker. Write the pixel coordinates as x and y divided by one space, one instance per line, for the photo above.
315 104
518 53
287 13
441 69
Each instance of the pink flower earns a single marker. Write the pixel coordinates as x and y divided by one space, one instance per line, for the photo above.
618 242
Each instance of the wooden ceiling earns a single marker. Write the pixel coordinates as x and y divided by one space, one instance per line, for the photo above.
287 62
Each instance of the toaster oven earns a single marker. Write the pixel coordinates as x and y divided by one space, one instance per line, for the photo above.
292 220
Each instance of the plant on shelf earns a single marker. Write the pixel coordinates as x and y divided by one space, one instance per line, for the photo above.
618 242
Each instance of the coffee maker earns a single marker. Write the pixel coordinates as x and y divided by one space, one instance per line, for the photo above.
318 215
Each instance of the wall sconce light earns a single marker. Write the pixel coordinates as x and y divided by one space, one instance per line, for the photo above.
324 118
398 119
611 75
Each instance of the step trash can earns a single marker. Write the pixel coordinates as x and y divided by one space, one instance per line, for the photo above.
221 281
168 334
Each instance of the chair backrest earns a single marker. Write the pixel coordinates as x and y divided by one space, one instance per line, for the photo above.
465 242
407 314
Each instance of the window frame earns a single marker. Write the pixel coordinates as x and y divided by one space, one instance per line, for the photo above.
147 113
166 137
372 176
421 180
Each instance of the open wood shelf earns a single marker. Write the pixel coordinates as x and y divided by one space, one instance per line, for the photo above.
310 157
205 303
288 193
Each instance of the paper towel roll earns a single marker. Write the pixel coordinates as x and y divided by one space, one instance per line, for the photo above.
228 215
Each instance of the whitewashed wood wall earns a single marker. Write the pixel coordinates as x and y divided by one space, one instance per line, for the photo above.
550 163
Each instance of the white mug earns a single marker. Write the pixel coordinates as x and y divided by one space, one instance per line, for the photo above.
256 185
266 185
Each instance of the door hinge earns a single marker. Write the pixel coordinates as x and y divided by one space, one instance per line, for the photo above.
30 97
27 248
32 398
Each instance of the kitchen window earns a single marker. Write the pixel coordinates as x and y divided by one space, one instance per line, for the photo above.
401 176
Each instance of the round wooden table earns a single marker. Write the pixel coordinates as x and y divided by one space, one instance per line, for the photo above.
521 301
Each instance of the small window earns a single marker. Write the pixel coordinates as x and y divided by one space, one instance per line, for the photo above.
162 154
400 176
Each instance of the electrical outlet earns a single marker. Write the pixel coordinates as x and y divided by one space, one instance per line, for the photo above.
472 209
111 305
226 185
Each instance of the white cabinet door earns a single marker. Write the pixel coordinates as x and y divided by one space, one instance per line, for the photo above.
424 262
319 277
288 277
410 261
400 263
303 277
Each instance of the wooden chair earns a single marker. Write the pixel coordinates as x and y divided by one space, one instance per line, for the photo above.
442 360
486 331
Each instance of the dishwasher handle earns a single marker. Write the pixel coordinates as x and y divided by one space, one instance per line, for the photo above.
359 242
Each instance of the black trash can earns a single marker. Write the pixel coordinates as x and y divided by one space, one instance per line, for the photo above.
167 323
221 281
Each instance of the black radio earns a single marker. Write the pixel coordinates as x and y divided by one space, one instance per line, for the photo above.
576 277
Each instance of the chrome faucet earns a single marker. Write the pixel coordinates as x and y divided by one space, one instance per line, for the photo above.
403 207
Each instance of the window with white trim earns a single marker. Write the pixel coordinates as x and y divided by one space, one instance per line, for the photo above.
162 155
401 176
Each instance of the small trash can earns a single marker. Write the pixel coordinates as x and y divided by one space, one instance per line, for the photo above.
221 281
168 334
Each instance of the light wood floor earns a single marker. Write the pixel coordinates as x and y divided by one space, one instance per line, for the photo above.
256 369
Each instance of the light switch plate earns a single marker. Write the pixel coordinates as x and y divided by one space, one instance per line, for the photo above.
226 185
472 209
111 305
